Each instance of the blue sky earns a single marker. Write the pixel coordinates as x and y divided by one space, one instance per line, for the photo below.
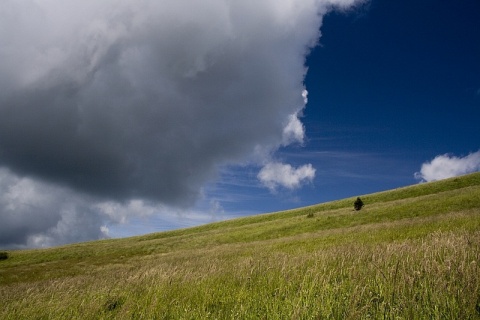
145 116
397 84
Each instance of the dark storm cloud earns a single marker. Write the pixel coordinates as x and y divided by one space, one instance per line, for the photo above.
36 214
126 100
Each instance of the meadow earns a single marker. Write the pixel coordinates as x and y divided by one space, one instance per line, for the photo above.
410 253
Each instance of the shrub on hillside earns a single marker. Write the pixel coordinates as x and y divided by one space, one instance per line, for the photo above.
3 255
358 204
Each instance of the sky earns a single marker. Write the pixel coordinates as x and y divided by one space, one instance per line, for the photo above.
121 118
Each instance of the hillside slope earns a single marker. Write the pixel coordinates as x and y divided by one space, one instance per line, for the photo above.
412 252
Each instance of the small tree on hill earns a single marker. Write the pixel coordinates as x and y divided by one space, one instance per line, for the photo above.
358 204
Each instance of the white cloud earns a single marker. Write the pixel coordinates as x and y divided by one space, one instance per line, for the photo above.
447 166
294 131
275 174
305 96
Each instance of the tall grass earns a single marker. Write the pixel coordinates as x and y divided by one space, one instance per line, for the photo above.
409 254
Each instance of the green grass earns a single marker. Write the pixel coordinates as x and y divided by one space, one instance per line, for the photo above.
410 253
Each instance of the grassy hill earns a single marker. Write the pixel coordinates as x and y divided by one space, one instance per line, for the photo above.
410 253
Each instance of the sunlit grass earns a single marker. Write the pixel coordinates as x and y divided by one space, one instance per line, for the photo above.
411 253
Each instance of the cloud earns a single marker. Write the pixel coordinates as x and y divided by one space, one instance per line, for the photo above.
38 214
447 166
294 131
34 213
143 100
275 174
